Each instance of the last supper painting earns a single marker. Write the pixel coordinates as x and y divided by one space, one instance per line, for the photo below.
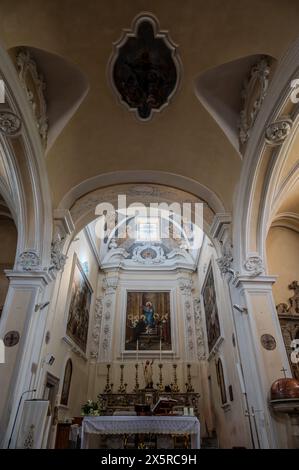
148 323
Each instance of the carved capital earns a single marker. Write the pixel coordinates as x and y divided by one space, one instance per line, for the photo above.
110 284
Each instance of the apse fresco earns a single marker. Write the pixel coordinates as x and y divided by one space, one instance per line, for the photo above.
78 317
148 325
211 310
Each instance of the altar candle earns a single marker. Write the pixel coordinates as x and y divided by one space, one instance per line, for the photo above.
137 349
122 357
160 350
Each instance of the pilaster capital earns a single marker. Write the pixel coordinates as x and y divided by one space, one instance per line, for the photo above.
261 283
29 278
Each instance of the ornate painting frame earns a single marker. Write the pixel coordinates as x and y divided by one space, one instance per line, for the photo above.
76 301
211 311
142 353
148 321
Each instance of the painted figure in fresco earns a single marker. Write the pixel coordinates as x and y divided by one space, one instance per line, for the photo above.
148 311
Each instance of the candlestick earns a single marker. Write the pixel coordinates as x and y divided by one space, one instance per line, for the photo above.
160 350
122 387
122 356
108 387
189 387
174 385
136 389
160 384
137 350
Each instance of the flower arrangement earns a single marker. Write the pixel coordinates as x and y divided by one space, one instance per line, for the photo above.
90 408
94 408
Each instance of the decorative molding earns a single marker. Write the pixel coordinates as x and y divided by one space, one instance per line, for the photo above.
186 285
254 265
148 254
190 344
145 68
278 131
107 316
253 94
95 335
288 220
29 260
74 348
110 284
10 123
34 85
199 330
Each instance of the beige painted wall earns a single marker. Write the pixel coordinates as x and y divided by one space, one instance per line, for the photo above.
282 256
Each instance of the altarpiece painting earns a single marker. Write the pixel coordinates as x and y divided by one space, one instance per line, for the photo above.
211 309
148 322
78 316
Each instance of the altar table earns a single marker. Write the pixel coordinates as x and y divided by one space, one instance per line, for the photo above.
121 425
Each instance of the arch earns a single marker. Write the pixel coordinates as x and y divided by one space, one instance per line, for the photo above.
263 162
24 184
146 176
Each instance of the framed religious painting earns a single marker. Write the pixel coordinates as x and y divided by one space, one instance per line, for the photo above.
79 307
148 321
211 309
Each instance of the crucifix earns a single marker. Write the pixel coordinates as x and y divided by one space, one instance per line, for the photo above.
284 372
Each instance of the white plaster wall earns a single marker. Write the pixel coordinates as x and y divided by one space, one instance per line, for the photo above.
57 327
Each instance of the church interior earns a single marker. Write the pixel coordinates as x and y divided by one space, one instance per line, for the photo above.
149 215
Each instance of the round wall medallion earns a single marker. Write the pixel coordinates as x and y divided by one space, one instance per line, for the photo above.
268 342
11 339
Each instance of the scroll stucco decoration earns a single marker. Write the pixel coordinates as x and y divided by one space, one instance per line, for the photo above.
254 91
95 336
199 330
34 85
58 259
186 289
108 303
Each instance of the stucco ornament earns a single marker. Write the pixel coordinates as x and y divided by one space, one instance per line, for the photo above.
29 260
58 259
278 131
10 123
253 94
254 265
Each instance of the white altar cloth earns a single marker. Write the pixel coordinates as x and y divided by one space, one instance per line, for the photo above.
141 425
